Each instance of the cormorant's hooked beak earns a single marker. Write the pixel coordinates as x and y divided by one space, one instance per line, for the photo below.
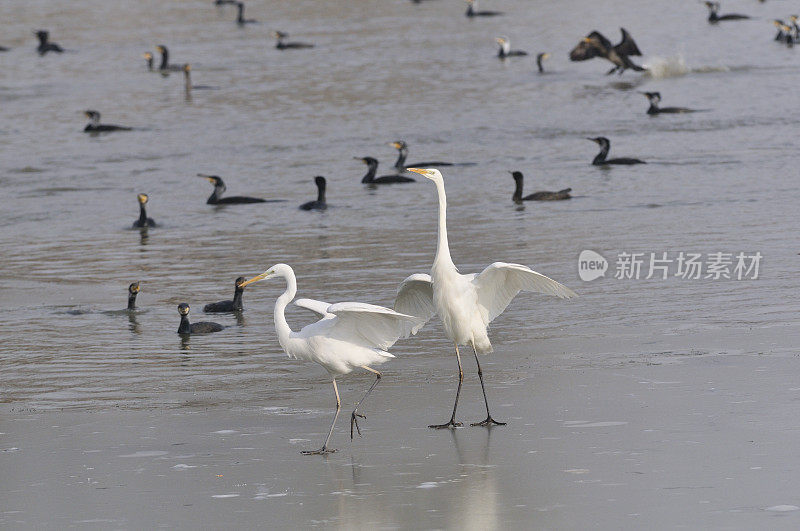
593 140
499 40
359 158
135 288
257 278
396 145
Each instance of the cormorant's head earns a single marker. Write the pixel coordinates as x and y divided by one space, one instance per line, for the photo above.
142 198
600 141
42 35
654 97
542 56
238 283
712 6
161 48
369 161
517 175
92 115
187 67
793 18
430 173
213 179
147 56
133 289
399 144
183 309
280 35
319 180
778 23
277 269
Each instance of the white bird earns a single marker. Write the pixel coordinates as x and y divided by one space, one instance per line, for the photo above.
348 335
466 304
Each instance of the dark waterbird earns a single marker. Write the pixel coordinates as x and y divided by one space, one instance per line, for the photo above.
203 327
234 305
596 45
372 167
472 10
536 196
281 44
44 43
714 16
240 20
187 80
539 58
505 48
133 291
219 188
143 221
402 154
320 203
655 98
165 65
601 160
94 126
148 59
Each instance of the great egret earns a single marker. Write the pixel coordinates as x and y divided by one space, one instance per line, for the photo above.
348 335
466 304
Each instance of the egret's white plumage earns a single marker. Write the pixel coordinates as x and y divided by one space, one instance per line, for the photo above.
466 304
347 336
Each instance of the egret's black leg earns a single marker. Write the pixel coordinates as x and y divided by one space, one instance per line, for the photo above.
489 420
325 450
355 413
452 423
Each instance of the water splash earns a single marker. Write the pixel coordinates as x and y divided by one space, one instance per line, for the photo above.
661 67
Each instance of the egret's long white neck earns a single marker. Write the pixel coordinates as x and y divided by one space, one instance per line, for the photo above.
281 326
442 247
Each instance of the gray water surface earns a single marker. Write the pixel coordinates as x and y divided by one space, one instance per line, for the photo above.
723 180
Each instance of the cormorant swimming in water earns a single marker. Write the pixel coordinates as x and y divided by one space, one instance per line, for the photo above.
505 49
536 196
655 98
320 203
133 290
187 77
143 220
219 188
229 306
148 58
45 45
370 178
165 66
240 15
4 48
471 12
186 327
96 127
539 58
714 16
400 163
596 45
281 45
223 2
605 145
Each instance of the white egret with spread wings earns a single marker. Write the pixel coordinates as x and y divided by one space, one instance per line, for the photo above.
348 335
466 304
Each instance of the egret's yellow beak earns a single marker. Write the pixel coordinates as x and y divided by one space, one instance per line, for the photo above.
256 278
417 170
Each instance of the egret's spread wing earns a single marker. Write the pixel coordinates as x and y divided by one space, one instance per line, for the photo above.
368 325
318 307
415 297
499 283
627 46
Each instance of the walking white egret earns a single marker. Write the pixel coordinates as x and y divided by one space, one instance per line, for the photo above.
466 304
348 335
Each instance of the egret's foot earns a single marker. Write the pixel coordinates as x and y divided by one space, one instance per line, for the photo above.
451 425
322 451
488 422
354 422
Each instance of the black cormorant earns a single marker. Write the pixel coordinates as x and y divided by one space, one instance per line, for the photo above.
96 127
143 220
281 45
596 45
133 291
505 48
714 16
402 153
655 98
240 15
148 58
219 188
165 65
320 203
536 196
229 306
224 2
187 78
605 145
45 45
370 178
539 58
186 327
472 10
